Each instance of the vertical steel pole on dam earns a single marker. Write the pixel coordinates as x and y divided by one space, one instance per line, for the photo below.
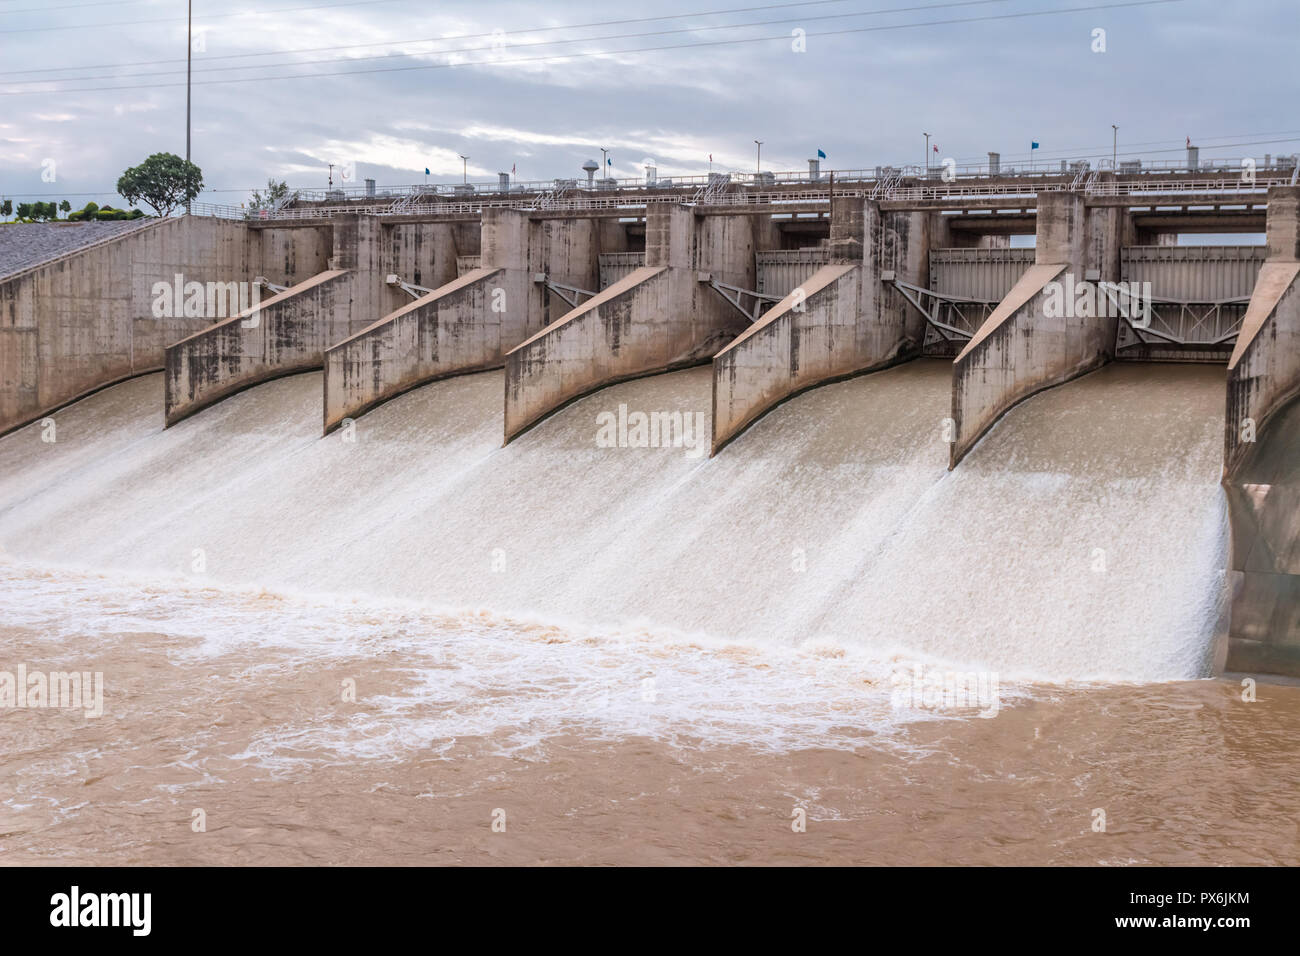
189 54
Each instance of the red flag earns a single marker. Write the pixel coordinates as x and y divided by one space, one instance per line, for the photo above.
936 147
1189 142
512 169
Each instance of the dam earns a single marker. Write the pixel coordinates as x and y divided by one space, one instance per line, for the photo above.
907 436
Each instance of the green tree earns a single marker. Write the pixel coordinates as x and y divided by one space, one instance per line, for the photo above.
24 210
164 181
274 193
65 206
7 208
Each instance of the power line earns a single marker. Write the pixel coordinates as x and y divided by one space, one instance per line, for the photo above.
206 16
73 6
479 49
601 53
462 36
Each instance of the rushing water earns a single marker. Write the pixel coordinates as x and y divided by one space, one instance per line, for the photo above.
553 612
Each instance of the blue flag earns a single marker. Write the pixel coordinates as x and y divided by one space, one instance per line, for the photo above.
820 154
1033 146
426 170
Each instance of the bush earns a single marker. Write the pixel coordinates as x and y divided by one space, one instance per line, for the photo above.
136 214
90 210
105 215
77 216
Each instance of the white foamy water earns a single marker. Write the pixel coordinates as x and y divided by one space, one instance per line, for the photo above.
513 681
768 592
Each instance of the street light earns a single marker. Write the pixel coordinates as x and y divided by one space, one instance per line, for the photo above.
927 155
604 163
758 160
464 168
1114 145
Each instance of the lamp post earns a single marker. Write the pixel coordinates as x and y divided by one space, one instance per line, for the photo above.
464 169
1114 145
758 159
927 155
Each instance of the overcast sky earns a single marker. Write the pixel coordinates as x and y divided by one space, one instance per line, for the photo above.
1220 71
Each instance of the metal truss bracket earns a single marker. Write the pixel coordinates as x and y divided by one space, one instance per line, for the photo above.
410 288
951 318
264 281
735 295
1180 322
569 293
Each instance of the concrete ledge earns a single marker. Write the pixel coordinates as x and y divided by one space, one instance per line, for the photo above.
287 333
796 345
450 331
1264 564
1261 461
1021 349
1015 353
83 320
626 331
1264 371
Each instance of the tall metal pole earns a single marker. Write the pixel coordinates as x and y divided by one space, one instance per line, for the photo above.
189 54
927 155
464 169
758 160
1114 146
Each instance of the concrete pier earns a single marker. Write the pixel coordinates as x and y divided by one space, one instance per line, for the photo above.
840 322
285 334
468 323
88 319
1261 461
660 317
1024 346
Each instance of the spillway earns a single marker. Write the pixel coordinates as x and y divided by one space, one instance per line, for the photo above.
1084 538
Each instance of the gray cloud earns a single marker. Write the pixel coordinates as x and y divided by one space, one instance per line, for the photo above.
1196 68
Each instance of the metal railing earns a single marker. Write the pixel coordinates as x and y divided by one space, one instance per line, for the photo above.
220 211
1031 169
1234 183
905 184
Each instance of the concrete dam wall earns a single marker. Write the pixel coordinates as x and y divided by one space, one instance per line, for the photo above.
1261 456
88 318
777 298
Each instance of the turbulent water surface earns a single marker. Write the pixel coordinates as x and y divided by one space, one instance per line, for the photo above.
410 620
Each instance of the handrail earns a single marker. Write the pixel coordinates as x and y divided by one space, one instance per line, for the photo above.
1032 168
724 190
